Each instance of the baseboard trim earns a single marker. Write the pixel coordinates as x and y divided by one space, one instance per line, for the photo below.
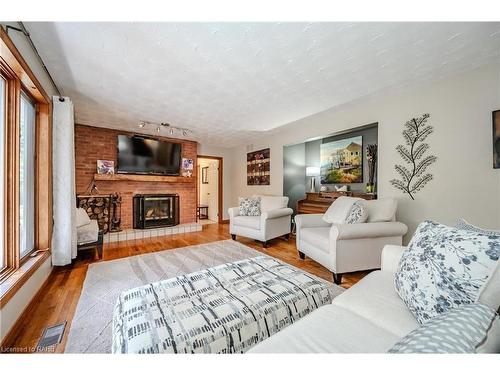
12 334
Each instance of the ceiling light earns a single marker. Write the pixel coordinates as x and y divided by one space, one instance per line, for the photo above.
159 126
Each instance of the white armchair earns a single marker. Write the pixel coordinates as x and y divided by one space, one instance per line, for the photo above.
274 221
344 248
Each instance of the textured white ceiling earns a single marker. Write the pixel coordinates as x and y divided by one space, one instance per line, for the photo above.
229 82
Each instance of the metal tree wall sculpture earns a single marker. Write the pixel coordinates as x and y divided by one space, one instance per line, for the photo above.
414 178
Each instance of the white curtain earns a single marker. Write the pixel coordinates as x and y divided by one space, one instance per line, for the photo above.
63 182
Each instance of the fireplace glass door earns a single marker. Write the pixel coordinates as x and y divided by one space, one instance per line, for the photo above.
151 211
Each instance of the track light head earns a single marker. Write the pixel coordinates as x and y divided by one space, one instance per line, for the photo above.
159 126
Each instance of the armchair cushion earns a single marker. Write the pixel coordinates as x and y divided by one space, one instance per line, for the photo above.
358 213
82 218
271 202
87 233
249 206
339 210
318 237
247 221
381 210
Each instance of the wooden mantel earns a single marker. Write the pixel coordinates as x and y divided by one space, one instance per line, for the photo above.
144 178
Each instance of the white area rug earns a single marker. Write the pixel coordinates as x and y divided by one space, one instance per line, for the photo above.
90 330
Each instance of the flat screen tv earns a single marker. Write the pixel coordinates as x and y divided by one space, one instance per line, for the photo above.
143 155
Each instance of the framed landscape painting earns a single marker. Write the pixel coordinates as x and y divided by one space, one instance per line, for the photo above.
496 139
342 161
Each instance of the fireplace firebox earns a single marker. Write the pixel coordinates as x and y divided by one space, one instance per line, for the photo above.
156 210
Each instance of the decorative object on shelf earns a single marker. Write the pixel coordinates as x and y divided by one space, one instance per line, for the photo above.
342 161
371 156
258 167
92 188
116 213
323 189
98 207
204 175
342 188
414 179
496 139
105 166
312 172
187 167
172 130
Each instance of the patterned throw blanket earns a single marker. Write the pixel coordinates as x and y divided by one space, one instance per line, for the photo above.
224 309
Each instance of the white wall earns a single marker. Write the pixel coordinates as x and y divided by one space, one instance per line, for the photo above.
465 183
11 311
226 154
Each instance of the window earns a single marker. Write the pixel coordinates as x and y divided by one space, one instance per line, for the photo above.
25 171
27 176
2 169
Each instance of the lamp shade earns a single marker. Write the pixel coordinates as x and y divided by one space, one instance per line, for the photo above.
312 171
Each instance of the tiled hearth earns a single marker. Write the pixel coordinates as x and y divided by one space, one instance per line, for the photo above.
140 234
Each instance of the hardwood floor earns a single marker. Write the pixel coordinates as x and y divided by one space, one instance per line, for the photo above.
57 300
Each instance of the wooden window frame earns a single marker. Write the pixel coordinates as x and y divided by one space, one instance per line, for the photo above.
19 78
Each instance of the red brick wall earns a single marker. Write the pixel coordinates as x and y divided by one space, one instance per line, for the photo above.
93 143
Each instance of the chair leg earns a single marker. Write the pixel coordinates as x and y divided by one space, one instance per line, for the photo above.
233 236
99 244
287 236
337 278
302 255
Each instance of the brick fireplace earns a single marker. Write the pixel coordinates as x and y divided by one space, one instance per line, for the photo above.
93 143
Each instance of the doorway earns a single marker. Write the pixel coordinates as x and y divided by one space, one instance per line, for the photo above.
209 189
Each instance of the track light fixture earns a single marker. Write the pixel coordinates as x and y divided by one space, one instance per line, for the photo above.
165 125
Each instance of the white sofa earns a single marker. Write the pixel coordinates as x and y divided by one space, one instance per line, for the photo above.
369 317
274 221
344 248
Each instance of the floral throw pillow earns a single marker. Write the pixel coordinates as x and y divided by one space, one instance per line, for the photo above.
249 206
358 213
443 268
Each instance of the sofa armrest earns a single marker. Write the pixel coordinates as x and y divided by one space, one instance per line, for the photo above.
278 212
391 255
233 211
367 230
310 221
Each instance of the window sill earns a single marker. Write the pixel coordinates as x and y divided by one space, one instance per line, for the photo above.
14 281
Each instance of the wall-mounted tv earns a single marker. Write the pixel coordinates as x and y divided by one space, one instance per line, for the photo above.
143 155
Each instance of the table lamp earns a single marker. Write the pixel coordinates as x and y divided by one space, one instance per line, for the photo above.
312 172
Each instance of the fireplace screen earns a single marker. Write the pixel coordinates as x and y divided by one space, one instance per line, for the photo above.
152 211
157 209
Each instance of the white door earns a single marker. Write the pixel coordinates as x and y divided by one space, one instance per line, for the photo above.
213 191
